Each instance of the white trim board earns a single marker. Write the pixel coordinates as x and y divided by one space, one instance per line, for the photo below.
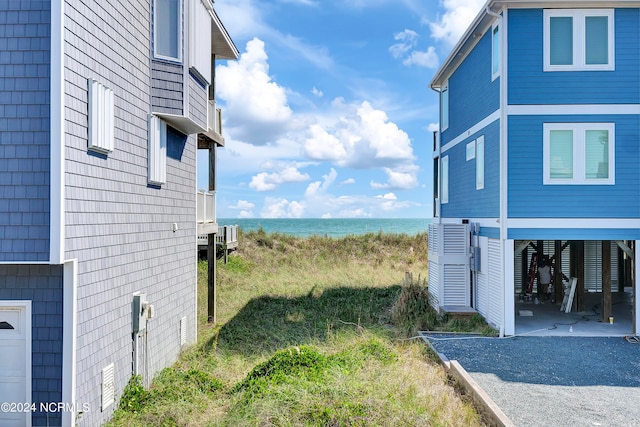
572 223
57 136
573 109
69 340
472 130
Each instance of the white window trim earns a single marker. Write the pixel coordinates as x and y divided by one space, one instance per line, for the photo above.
180 35
495 74
444 170
480 161
579 130
579 39
444 124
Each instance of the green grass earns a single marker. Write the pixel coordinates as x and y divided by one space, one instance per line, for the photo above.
310 332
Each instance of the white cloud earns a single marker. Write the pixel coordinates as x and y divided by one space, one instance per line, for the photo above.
323 146
427 59
433 127
318 187
265 181
245 214
317 92
404 178
243 205
256 107
455 20
408 40
281 208
388 196
348 181
359 136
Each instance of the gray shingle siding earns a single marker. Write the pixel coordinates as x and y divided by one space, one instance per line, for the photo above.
42 284
166 87
118 227
198 101
24 131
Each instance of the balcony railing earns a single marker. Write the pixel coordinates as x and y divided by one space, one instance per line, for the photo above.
215 118
206 207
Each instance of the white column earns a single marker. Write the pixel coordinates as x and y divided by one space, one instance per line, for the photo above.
509 313
636 299
69 342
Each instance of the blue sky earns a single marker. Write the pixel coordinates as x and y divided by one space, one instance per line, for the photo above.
327 112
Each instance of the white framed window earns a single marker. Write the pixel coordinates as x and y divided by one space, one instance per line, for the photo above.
471 151
579 153
480 163
445 180
495 52
444 107
157 155
101 101
167 29
579 40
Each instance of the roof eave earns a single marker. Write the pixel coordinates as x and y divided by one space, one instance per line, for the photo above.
464 45
221 44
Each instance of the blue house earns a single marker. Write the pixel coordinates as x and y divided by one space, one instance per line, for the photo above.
103 106
538 156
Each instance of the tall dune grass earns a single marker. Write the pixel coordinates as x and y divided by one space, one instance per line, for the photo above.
307 334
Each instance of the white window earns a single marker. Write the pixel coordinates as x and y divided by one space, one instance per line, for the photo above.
495 52
167 29
480 163
157 155
444 107
579 153
101 118
471 151
199 46
445 180
578 39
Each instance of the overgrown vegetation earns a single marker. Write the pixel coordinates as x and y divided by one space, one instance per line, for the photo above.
310 332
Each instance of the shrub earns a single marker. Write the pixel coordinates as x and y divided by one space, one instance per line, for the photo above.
411 310
134 395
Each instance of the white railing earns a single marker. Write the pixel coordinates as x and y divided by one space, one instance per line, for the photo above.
215 118
206 207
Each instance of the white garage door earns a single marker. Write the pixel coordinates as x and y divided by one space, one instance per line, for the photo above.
15 362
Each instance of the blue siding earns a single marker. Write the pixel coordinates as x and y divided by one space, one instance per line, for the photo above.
464 200
490 232
573 234
529 198
42 284
472 94
24 131
529 84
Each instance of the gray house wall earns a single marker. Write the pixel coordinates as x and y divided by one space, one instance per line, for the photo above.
118 228
24 156
167 87
198 102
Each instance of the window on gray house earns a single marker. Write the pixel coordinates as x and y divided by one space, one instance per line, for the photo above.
167 29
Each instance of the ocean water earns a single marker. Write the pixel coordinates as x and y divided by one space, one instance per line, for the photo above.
331 227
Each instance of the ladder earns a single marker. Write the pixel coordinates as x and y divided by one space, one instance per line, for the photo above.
531 277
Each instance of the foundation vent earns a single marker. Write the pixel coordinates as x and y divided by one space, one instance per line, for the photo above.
183 331
108 387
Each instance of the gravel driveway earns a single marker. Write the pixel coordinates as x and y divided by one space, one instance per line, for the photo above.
553 381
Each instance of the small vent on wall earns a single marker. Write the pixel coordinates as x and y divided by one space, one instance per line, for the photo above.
108 387
183 331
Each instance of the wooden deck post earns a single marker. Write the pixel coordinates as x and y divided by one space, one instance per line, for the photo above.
557 276
580 275
211 245
606 280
